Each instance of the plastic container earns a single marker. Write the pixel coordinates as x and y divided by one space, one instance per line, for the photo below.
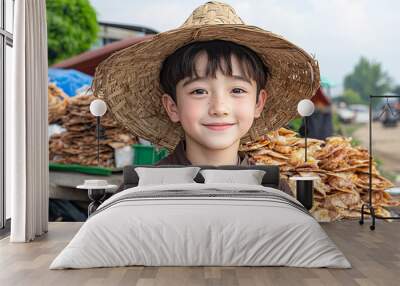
147 154
143 154
163 152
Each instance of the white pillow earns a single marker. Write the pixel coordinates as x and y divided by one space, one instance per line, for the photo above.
162 176
250 177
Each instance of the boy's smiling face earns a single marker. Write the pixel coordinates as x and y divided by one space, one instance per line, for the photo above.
215 112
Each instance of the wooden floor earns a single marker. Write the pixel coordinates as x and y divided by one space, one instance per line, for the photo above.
374 255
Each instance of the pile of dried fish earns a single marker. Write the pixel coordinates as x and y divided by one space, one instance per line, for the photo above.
342 169
78 145
57 101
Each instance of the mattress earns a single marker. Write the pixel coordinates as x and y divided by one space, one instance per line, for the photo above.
197 224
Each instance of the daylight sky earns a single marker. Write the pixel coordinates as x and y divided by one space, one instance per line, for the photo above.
337 32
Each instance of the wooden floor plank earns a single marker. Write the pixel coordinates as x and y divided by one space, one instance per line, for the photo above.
374 255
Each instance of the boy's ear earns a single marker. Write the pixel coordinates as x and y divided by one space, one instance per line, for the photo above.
262 99
170 107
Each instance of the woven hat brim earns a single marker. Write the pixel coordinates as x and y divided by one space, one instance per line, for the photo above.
128 81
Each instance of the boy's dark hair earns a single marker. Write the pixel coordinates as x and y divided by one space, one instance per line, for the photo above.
181 64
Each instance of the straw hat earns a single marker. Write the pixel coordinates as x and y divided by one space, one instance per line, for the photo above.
128 81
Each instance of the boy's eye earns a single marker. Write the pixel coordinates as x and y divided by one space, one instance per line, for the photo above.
238 90
199 91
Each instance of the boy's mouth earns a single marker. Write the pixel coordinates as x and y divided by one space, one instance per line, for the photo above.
219 126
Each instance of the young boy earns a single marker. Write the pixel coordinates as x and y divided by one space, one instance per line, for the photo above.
204 88
215 89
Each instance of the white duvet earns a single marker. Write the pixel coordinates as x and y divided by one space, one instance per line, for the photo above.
222 225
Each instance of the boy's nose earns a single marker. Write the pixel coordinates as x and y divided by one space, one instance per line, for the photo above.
218 107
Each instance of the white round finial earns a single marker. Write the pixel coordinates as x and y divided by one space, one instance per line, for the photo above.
305 107
98 107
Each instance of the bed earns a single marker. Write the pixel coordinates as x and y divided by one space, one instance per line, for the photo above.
201 224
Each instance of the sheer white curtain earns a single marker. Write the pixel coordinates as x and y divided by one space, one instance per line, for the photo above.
26 124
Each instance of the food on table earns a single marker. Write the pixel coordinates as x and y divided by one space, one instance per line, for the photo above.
78 145
57 102
342 169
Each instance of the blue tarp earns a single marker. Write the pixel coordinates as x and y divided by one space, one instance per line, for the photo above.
69 80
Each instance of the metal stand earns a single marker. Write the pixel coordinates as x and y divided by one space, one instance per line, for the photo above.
369 204
305 137
304 193
100 134
305 190
96 196
98 139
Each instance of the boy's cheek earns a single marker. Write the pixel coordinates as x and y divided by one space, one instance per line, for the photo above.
190 116
245 111
246 116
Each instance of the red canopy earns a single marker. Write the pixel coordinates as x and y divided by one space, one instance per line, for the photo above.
88 61
320 98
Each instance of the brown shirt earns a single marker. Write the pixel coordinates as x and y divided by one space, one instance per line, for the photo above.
178 157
